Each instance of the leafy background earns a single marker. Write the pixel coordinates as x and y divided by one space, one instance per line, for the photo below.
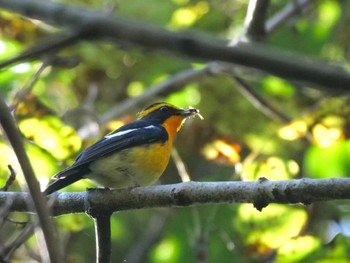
235 141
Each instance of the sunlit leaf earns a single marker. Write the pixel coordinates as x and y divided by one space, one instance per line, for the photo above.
329 131
44 165
294 130
135 88
222 151
73 222
329 13
260 144
273 228
30 106
296 249
272 168
166 251
325 162
188 15
189 96
52 135
8 46
278 86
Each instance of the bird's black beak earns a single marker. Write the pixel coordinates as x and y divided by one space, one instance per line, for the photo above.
189 112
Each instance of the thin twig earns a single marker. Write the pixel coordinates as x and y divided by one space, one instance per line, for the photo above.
202 247
255 31
48 45
21 95
49 60
260 103
181 168
294 7
172 84
10 179
37 199
253 96
10 248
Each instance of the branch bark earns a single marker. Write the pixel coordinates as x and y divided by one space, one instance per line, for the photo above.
255 19
102 27
260 193
103 238
36 199
179 80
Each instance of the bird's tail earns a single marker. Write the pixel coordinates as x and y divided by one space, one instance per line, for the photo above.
62 182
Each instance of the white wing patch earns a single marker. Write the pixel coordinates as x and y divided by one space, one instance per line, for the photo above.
112 135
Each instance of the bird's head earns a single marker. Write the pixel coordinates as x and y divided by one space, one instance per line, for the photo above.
167 115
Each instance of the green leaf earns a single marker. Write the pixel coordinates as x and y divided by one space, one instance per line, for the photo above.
50 133
326 162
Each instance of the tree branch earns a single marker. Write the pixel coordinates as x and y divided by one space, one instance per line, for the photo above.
289 10
179 80
49 45
102 221
36 198
260 103
286 65
10 180
255 19
172 84
103 238
255 31
260 193
8 249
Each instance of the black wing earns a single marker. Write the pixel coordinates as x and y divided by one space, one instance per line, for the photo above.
133 134
130 135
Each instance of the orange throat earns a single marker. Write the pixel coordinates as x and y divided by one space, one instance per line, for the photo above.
173 125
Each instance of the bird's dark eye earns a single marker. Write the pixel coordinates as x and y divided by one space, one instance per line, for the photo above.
163 109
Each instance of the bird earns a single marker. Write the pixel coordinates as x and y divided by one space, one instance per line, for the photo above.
136 154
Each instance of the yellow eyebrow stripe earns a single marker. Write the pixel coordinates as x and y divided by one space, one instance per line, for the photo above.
153 108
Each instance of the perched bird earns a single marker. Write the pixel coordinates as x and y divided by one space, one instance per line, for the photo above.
133 155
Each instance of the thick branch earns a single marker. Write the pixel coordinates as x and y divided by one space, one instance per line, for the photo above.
179 80
290 66
260 193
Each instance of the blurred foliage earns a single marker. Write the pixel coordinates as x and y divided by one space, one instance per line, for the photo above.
60 115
